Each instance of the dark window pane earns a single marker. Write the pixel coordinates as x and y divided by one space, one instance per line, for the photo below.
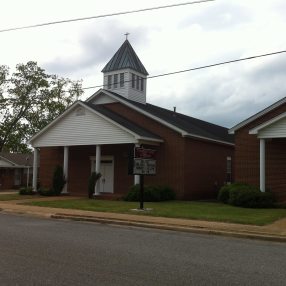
137 82
109 81
115 82
133 80
142 84
122 80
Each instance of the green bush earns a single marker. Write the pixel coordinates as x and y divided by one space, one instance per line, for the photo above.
26 191
92 182
151 194
46 192
247 196
58 180
223 194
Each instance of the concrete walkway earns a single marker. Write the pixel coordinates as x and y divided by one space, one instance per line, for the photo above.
274 232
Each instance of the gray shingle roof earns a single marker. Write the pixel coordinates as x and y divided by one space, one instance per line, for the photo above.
189 124
124 58
123 121
18 159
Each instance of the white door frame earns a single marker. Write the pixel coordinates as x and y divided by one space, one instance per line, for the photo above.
104 158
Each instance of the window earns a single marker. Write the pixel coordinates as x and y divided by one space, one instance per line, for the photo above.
228 170
115 80
133 80
142 84
137 82
122 80
109 81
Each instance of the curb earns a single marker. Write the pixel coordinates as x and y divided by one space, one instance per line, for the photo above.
193 229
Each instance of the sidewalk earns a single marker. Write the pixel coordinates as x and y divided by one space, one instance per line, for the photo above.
273 232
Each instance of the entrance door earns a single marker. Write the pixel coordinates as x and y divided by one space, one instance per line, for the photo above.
106 179
107 174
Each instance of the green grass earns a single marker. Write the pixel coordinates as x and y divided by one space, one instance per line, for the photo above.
210 211
12 197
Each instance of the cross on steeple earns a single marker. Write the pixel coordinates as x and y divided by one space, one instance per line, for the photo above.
127 35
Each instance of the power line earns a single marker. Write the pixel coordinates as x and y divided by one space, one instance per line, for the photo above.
201 67
192 69
103 16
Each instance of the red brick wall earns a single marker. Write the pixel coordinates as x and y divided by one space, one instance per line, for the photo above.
247 157
205 168
192 168
50 157
6 179
170 155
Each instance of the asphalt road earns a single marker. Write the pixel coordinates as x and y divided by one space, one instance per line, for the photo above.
39 252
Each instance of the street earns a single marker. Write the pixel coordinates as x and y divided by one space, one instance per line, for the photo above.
37 251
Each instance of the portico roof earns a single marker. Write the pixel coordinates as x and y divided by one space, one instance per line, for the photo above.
92 125
273 128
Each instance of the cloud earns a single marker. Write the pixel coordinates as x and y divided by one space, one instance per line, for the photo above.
95 47
224 15
230 94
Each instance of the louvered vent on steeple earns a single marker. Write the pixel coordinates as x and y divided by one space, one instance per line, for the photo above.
125 74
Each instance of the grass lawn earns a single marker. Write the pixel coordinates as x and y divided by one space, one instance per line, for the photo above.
211 211
12 197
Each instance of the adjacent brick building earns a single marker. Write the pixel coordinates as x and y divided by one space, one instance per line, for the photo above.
15 170
193 157
260 150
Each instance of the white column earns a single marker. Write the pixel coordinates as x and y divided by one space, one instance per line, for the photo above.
35 169
262 165
65 168
97 168
137 177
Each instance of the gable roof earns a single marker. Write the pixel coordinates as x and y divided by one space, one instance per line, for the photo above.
257 115
18 159
124 122
186 125
124 58
136 131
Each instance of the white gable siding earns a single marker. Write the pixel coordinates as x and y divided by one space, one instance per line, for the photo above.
275 130
87 129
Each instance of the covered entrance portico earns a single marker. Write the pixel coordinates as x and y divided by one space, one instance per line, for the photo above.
83 140
272 155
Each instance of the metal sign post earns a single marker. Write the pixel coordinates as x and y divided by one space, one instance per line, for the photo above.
144 163
141 192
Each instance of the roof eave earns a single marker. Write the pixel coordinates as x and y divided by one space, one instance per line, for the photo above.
189 135
257 115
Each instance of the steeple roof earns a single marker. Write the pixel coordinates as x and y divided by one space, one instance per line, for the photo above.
124 58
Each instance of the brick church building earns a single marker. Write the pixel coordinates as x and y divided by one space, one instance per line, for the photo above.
193 157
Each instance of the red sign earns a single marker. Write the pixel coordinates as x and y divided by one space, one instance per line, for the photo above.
144 153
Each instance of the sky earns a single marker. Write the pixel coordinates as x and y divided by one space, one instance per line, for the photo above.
165 40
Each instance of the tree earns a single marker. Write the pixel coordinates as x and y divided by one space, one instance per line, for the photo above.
29 100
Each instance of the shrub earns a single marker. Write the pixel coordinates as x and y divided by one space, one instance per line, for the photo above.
246 196
223 194
46 192
92 182
58 180
26 191
151 194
